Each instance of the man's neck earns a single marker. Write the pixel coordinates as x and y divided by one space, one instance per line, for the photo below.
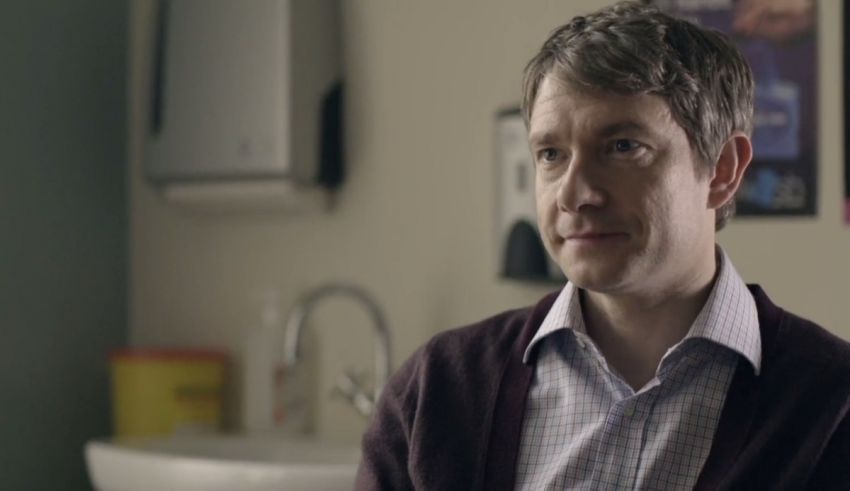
635 331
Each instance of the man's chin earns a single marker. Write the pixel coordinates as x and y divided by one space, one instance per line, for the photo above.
600 279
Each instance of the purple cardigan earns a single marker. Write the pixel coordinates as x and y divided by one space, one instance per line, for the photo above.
451 417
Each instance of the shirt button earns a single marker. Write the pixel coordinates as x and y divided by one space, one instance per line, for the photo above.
629 411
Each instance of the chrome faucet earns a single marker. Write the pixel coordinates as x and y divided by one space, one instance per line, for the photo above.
347 383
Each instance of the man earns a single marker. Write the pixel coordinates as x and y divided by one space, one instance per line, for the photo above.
655 367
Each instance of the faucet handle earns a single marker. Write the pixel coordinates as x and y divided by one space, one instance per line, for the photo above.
349 386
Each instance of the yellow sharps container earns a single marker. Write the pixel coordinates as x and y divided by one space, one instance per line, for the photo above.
161 391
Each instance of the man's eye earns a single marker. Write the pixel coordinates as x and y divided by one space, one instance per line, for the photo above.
624 145
548 155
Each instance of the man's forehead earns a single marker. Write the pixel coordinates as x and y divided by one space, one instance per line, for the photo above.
559 106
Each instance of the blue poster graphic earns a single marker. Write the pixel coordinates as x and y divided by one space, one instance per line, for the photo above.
778 39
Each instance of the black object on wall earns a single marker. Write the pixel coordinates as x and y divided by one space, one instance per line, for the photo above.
525 256
331 150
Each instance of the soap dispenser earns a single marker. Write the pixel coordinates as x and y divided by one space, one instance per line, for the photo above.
274 399
262 369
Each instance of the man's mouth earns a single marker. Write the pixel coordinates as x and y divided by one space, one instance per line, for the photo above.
593 235
594 238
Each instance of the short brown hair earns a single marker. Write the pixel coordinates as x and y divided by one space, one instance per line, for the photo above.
630 48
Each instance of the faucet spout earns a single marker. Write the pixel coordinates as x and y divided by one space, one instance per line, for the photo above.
297 321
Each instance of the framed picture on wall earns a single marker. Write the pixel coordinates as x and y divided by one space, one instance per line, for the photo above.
779 41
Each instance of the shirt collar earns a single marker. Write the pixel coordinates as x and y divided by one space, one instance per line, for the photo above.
728 318
564 314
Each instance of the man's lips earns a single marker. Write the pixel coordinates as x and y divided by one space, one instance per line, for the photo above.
593 239
594 235
587 233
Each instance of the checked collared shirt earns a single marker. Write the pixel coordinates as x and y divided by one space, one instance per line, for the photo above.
586 428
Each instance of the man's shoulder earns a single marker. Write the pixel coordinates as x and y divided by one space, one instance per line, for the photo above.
503 327
480 347
460 366
792 338
806 341
477 348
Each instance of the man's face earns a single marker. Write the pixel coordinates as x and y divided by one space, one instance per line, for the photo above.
620 204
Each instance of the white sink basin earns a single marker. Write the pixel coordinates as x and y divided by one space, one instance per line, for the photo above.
226 463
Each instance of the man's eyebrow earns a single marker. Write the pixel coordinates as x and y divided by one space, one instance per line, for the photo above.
542 137
548 137
624 127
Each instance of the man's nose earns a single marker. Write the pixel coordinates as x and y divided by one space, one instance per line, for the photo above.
580 186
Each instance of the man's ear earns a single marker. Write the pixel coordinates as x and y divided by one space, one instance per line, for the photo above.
735 157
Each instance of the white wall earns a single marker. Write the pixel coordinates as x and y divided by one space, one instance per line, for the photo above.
415 221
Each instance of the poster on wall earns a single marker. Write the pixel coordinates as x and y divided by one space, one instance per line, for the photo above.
779 41
846 117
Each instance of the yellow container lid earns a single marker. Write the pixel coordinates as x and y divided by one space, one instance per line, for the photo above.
197 354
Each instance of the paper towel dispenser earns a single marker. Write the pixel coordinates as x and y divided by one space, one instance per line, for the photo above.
246 91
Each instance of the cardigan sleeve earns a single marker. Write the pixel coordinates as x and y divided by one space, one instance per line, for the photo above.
386 442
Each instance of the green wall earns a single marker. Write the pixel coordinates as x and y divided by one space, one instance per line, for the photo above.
63 232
